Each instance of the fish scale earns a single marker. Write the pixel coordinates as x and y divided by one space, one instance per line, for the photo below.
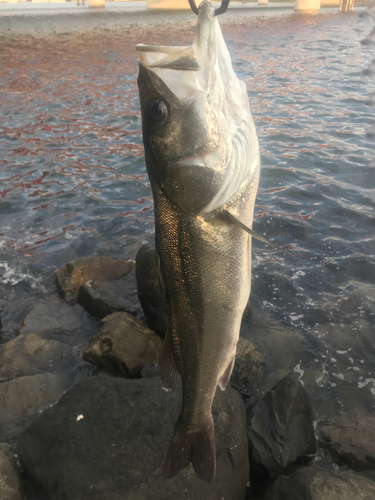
202 158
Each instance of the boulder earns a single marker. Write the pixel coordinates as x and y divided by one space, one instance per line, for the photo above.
22 398
280 427
43 362
350 438
100 285
31 354
151 370
149 290
312 483
15 303
280 347
89 269
54 318
10 485
248 366
124 344
102 298
108 437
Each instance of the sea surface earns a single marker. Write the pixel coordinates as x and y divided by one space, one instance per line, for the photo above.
73 180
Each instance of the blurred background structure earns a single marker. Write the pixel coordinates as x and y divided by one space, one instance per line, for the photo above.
304 6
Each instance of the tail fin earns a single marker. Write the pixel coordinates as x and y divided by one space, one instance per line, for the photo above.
197 448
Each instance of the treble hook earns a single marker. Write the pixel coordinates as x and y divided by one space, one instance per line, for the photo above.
223 7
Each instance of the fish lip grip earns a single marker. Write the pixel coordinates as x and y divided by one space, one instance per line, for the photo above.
223 7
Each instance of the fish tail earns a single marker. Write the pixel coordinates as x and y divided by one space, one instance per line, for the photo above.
195 447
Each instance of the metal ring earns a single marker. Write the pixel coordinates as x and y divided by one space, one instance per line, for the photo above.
223 7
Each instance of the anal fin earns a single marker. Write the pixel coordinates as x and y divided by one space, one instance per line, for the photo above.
167 364
223 381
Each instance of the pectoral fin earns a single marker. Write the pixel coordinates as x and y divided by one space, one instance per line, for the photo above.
167 364
237 223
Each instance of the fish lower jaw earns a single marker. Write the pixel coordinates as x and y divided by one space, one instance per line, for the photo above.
214 160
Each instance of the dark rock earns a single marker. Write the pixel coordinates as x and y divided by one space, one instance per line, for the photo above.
151 370
31 354
350 438
280 347
108 437
89 269
16 302
359 301
149 290
23 397
43 362
10 485
54 318
312 483
124 344
280 427
248 366
102 298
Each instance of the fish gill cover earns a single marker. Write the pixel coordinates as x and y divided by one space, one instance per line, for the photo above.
205 74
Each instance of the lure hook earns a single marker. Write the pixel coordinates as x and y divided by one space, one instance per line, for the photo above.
223 7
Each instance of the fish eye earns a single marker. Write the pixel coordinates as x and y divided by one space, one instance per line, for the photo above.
157 110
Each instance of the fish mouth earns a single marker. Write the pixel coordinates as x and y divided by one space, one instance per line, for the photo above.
213 160
164 57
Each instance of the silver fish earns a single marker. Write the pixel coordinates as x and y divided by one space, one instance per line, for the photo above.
202 157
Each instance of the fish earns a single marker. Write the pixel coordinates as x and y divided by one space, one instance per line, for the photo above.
202 158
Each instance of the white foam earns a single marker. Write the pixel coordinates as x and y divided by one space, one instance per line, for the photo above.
12 277
298 369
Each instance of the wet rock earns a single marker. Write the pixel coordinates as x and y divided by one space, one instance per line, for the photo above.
124 344
248 366
350 438
149 290
280 427
10 485
15 302
89 269
108 438
31 354
100 285
312 483
23 397
102 298
43 362
151 370
53 338
360 301
54 318
280 347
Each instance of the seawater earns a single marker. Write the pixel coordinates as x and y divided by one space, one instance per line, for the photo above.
73 180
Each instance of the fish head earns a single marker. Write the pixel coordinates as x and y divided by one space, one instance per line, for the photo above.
192 119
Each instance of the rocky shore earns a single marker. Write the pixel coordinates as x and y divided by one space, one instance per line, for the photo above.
84 414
